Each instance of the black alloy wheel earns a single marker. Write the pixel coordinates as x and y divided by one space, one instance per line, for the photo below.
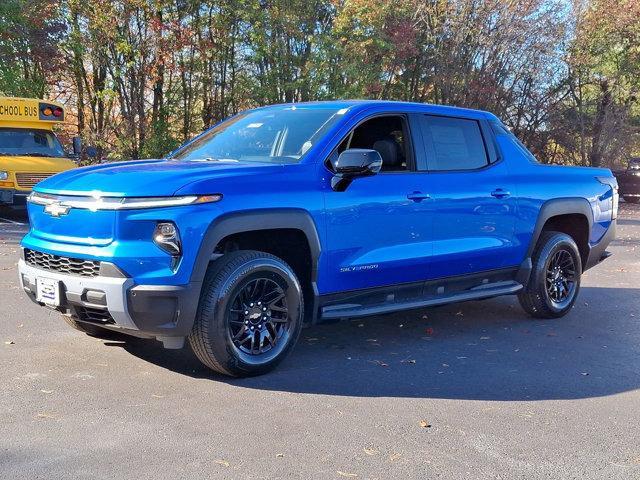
250 314
259 317
554 281
560 279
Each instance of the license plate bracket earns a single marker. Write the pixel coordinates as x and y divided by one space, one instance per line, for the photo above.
48 291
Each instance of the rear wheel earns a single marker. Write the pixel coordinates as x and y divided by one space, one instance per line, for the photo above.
250 314
555 278
632 199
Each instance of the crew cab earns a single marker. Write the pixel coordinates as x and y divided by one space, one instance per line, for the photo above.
293 214
629 181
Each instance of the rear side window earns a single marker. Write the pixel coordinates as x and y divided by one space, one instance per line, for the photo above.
500 129
453 143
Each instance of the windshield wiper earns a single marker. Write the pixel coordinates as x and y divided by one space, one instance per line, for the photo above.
211 159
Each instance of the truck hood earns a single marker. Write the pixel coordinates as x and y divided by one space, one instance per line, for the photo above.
144 178
28 164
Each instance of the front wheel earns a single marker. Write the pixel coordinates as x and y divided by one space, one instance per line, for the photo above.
555 278
250 314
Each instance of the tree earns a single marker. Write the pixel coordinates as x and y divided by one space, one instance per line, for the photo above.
30 60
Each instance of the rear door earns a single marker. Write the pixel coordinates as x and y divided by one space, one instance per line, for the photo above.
474 210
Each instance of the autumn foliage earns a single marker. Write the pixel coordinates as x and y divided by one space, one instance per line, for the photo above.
142 76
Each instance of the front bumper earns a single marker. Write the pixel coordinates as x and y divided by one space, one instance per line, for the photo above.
116 303
13 198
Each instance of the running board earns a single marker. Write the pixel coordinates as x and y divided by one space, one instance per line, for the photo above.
351 310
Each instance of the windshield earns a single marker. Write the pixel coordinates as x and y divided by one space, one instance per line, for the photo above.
274 135
30 143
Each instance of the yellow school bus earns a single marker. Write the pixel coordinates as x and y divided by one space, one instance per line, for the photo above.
29 149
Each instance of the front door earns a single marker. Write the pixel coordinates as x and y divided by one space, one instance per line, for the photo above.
379 228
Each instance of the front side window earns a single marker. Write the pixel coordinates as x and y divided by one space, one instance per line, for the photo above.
29 143
387 135
273 135
453 143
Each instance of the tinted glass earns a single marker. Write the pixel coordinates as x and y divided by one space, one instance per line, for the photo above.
500 129
387 136
274 135
32 143
453 143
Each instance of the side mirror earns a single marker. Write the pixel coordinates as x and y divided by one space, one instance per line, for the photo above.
354 163
77 146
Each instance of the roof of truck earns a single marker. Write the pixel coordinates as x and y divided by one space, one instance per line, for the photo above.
391 105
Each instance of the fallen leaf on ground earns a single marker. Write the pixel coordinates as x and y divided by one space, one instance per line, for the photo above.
424 424
394 456
279 455
222 462
345 474
378 362
370 451
9 342
47 391
47 415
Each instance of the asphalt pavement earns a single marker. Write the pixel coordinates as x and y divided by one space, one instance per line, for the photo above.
468 391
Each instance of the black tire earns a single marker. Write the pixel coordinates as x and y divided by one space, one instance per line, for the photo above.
92 330
226 328
556 263
632 199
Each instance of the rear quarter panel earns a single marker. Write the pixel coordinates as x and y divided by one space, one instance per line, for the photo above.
538 184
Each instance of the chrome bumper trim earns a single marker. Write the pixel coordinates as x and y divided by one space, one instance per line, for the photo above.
115 289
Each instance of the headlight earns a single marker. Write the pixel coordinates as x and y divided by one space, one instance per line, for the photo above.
167 237
4 175
120 203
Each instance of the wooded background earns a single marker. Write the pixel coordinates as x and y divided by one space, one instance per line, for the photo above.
139 77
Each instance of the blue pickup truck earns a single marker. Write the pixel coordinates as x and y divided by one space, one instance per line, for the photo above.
294 214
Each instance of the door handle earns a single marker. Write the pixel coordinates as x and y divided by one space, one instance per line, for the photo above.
418 196
500 193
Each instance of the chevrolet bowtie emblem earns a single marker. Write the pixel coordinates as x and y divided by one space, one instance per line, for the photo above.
56 209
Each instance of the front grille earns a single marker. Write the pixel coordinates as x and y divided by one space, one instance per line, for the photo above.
56 263
94 315
28 180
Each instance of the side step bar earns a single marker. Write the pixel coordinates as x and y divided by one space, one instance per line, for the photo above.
352 310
